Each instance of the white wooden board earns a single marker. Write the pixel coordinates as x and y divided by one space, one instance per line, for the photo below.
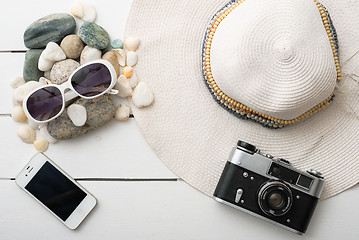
165 210
111 15
12 66
126 209
115 150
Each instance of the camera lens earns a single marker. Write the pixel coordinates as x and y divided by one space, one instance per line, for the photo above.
275 198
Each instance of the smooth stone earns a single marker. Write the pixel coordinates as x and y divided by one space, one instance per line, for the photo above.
132 43
142 95
44 64
133 80
89 13
78 114
122 112
31 71
117 43
132 58
77 9
72 46
51 28
89 54
99 111
112 58
94 35
53 52
47 74
49 56
62 70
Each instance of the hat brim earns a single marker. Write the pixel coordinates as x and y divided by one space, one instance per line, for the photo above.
194 136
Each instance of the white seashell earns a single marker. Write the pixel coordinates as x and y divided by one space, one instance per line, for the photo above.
142 95
41 144
133 80
44 81
26 133
78 114
18 114
17 82
89 54
45 134
132 43
33 124
14 102
123 87
121 56
89 14
51 54
77 10
122 112
21 92
132 58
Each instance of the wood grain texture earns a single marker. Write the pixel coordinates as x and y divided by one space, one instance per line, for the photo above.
165 210
115 150
108 158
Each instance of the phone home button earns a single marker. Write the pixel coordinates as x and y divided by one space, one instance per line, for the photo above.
81 211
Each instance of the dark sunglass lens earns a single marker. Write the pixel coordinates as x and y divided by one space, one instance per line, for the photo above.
45 103
91 80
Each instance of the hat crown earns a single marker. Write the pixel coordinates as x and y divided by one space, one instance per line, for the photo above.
274 56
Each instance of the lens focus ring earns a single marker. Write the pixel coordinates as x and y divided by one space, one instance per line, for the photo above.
275 198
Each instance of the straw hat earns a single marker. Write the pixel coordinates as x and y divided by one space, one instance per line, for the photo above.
279 74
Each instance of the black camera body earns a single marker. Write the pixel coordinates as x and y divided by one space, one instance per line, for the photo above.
269 188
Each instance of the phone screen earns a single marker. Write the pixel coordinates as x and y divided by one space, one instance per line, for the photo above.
55 191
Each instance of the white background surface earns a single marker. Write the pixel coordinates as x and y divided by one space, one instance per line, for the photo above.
138 197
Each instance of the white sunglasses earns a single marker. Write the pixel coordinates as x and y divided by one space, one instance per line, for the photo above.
88 81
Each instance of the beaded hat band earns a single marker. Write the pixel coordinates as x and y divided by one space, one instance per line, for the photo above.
238 108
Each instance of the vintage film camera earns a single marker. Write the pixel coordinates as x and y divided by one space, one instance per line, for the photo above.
269 188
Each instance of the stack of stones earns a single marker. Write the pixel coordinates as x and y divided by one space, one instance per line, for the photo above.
55 51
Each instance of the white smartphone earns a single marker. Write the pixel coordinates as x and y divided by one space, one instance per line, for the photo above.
67 200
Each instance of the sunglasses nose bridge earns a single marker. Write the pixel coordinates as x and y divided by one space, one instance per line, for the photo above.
66 85
67 90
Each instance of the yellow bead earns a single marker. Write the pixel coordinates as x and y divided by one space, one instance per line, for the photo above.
127 71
